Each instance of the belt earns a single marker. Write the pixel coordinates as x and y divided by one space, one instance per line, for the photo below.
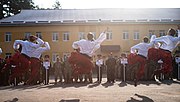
34 58
141 56
165 50
25 56
85 55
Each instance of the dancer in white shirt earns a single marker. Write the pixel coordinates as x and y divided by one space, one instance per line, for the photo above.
168 44
36 63
81 60
139 53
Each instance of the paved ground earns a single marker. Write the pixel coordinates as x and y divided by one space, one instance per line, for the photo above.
166 91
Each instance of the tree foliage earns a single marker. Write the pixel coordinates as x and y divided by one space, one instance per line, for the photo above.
12 7
57 5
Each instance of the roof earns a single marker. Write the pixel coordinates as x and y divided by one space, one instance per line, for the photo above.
105 15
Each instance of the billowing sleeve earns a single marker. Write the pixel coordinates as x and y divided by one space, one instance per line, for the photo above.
16 43
133 49
98 41
77 44
47 47
101 38
40 41
39 44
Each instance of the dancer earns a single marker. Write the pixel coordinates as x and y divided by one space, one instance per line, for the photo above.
168 44
36 63
81 59
139 53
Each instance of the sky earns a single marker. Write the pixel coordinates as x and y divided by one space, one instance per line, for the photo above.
89 4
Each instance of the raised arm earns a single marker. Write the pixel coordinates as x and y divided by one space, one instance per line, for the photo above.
21 42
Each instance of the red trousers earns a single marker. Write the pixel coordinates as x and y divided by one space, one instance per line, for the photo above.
165 56
35 68
133 59
22 66
81 64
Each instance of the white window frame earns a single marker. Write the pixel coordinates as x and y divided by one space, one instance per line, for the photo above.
66 54
109 35
125 35
66 36
27 34
162 33
8 55
54 56
55 36
39 35
8 37
136 35
81 35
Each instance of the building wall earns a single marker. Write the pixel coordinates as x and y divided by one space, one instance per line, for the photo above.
61 46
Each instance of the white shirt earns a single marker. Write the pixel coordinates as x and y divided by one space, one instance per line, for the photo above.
28 47
142 48
168 42
99 62
37 53
89 47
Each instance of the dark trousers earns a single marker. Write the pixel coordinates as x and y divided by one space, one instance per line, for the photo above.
45 76
110 74
99 73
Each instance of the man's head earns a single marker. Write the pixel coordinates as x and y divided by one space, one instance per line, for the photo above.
90 36
57 59
32 38
145 39
171 32
99 56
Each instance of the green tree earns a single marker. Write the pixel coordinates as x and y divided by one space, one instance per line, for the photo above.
12 7
57 5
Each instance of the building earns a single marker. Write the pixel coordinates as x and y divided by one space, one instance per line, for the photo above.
62 27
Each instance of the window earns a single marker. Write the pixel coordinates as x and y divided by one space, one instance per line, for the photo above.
81 35
109 36
162 33
8 55
27 34
8 36
66 36
66 54
136 35
125 35
39 35
55 36
151 32
54 56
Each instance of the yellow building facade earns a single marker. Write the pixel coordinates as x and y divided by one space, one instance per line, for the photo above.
121 33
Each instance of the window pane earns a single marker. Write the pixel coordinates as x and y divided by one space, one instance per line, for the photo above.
81 35
8 55
27 34
162 33
66 36
55 36
39 35
125 35
8 36
109 35
136 35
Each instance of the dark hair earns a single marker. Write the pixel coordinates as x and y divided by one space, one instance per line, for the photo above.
172 32
145 39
